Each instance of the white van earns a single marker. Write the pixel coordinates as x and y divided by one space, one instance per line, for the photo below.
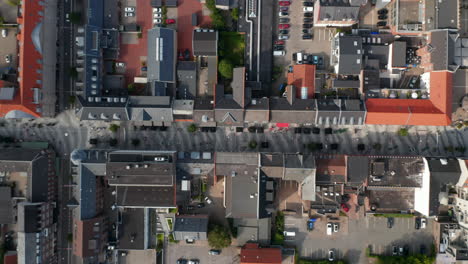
329 229
289 234
279 53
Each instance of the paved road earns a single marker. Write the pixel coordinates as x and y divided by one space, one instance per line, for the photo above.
65 217
68 134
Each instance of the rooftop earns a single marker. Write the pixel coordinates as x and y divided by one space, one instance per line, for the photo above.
132 231
162 43
253 254
396 171
205 42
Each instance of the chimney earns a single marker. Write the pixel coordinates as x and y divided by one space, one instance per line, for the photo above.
291 94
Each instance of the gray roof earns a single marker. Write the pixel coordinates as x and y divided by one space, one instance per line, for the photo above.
222 2
141 169
205 42
187 79
253 230
150 108
230 114
338 11
139 196
350 54
6 206
103 108
133 230
191 227
29 215
357 169
238 86
401 172
447 14
7 93
300 111
86 193
258 110
377 52
346 83
161 60
398 54
443 172
441 47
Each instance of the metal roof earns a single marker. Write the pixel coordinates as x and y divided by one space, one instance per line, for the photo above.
205 42
161 60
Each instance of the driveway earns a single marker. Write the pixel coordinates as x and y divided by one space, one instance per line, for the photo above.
199 250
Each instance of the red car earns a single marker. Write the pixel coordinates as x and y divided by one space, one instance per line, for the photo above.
284 26
284 3
170 21
345 207
279 42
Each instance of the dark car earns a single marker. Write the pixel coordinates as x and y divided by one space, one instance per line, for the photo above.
417 223
394 251
284 20
382 23
361 147
297 130
284 14
307 36
383 17
201 205
93 141
328 131
308 15
307 4
181 261
187 54
284 8
265 144
306 25
144 68
316 130
406 250
334 146
306 130
390 222
382 11
284 32
190 207
307 20
214 252
278 47
305 31
260 130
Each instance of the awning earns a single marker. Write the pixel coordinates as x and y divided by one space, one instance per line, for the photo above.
282 124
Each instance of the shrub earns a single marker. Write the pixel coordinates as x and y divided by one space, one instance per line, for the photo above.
225 68
192 128
403 132
114 128
252 144
235 13
219 237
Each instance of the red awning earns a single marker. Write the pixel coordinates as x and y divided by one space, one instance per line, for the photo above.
282 124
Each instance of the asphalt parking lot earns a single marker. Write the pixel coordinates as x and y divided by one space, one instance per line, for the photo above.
355 235
8 12
199 250
127 20
8 47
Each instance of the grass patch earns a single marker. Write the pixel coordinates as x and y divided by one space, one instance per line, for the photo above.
403 132
171 239
203 186
395 215
160 241
169 223
173 210
278 236
231 50
414 259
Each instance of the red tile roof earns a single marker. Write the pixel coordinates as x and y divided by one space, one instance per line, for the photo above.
332 166
303 75
10 258
253 254
87 237
28 61
433 112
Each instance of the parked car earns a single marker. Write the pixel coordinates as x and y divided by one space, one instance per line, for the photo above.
157 21
129 14
329 229
305 3
305 31
400 251
157 15
201 205
394 251
144 68
382 17
382 23
306 25
283 37
284 32
382 11
284 3
208 200
181 261
307 20
279 42
306 36
308 9
308 14
157 10
194 261
129 9
120 64
284 20
283 14
214 252
284 8
331 255
4 32
170 21
423 223
279 53
336 227
390 222
417 223
8 58
278 47
345 207
284 26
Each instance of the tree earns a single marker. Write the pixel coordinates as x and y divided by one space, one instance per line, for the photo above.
114 127
135 142
210 4
75 17
252 144
131 87
235 13
403 132
225 68
70 237
219 237
192 128
217 20
71 99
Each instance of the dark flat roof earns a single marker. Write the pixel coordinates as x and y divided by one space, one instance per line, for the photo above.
137 196
131 231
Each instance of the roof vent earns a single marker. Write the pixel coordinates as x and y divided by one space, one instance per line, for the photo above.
252 196
233 174
137 166
127 167
443 161
392 173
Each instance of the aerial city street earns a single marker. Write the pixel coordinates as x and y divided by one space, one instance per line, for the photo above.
233 131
